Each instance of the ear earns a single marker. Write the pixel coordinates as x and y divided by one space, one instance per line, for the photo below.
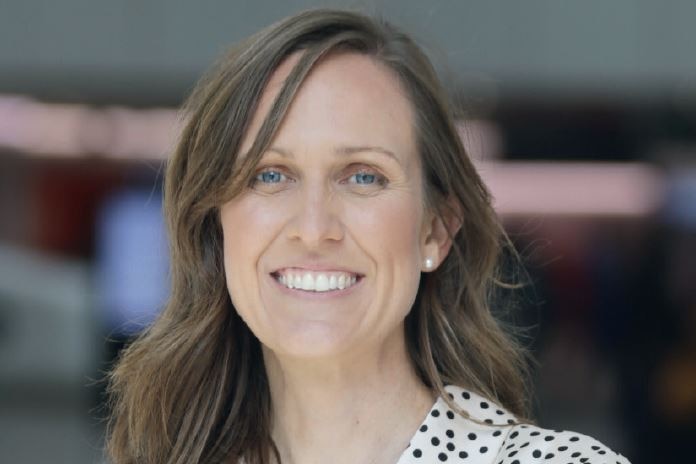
437 234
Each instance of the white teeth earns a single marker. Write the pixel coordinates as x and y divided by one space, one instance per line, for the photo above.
317 282
321 283
307 282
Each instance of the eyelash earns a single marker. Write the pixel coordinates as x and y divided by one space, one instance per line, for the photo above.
379 178
266 171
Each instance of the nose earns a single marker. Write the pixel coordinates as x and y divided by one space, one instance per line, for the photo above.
315 218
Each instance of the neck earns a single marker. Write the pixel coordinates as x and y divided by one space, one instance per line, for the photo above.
367 406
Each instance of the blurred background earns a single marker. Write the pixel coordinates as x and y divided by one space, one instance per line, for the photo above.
581 116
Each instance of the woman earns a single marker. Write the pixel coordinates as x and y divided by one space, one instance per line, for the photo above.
333 256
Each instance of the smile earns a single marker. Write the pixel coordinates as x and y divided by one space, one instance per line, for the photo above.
314 281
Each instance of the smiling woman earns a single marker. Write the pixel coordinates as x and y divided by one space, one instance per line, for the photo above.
331 207
333 257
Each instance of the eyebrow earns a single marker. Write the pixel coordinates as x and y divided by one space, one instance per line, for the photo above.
346 150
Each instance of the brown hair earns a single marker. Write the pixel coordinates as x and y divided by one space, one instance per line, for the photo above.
193 387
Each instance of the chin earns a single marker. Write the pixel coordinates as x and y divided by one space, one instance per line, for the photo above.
312 340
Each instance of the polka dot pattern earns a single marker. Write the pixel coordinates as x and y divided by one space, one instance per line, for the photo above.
448 437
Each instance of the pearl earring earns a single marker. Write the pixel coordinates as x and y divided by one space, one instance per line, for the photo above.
428 263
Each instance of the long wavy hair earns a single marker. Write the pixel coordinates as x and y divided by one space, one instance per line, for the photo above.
193 388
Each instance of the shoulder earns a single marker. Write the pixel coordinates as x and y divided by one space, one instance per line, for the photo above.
525 443
530 444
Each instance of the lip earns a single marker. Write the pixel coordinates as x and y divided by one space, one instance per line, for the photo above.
309 295
316 268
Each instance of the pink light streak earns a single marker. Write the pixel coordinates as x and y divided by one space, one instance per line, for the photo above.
519 188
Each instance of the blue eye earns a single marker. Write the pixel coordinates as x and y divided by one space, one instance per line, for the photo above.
364 178
270 177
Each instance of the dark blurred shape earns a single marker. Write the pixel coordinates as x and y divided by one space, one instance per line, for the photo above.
659 354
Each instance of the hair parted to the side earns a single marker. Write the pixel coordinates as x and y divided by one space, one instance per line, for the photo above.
193 388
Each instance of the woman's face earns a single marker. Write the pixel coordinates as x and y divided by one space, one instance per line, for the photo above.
324 250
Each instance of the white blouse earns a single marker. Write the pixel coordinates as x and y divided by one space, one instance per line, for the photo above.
445 436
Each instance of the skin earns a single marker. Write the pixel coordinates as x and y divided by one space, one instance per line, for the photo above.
342 385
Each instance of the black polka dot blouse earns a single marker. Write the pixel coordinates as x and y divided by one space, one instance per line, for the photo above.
445 436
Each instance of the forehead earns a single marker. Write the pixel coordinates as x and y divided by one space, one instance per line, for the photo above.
346 99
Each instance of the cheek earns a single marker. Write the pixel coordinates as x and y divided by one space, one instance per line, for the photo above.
389 232
247 231
247 228
390 227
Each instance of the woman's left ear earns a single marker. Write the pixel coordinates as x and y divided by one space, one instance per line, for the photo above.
438 233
